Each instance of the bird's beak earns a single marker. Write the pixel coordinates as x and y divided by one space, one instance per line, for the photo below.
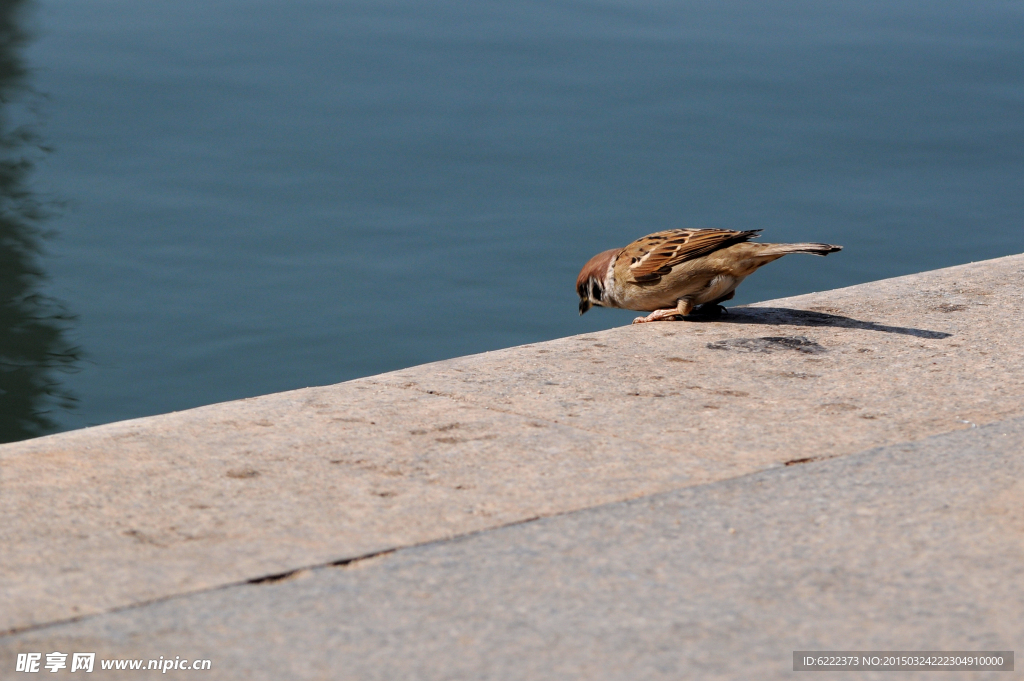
584 305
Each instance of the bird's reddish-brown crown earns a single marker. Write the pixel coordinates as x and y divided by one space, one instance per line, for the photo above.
597 266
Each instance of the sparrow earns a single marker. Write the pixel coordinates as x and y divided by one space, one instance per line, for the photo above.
679 272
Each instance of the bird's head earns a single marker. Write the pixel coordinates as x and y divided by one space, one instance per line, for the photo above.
591 284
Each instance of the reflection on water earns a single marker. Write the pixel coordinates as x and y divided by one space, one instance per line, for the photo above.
34 349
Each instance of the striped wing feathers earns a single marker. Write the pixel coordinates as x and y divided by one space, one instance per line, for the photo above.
654 255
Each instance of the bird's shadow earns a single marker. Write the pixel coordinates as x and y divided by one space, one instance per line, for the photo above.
789 317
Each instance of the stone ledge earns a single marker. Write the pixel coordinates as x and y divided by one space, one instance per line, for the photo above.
133 512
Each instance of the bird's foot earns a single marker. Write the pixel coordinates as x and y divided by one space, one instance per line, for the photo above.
659 315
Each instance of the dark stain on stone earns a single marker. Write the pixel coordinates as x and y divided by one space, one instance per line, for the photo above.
806 459
948 307
243 473
679 359
797 374
142 538
837 408
457 440
769 344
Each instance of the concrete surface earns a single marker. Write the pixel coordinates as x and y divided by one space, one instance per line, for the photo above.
200 502
908 547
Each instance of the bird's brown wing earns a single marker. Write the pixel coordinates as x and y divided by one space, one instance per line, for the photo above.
654 255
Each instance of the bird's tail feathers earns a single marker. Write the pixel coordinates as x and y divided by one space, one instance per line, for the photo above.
814 249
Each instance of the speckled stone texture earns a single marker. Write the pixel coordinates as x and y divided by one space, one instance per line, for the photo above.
124 514
908 547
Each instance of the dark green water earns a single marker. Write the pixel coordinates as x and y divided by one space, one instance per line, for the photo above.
259 195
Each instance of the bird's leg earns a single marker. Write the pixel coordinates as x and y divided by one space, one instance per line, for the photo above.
684 306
